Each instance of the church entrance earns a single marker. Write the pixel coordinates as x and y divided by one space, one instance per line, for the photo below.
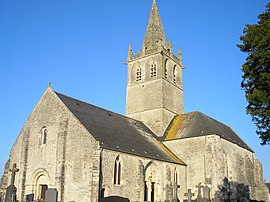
40 185
43 189
150 182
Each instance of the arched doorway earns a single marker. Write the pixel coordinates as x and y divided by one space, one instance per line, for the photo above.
40 184
150 187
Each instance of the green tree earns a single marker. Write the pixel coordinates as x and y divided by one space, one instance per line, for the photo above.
256 69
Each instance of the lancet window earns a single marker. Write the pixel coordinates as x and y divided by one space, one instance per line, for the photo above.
175 185
117 171
43 135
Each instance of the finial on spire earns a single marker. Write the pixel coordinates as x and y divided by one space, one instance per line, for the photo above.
180 57
129 52
49 84
130 47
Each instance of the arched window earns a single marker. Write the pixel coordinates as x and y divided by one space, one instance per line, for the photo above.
117 171
175 177
174 74
102 193
176 185
43 135
166 69
138 74
153 70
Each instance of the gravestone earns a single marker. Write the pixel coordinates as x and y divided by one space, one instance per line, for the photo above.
51 195
189 195
29 197
206 193
11 191
199 196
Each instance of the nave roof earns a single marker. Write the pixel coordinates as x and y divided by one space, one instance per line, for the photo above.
117 132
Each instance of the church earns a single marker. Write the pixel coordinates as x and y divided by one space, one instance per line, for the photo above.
155 152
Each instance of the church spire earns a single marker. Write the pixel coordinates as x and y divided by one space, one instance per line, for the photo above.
155 36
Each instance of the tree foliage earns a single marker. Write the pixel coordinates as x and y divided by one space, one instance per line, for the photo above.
256 69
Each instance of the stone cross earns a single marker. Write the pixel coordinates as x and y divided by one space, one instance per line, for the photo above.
189 195
13 171
11 189
199 186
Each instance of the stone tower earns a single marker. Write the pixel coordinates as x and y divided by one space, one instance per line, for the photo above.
154 86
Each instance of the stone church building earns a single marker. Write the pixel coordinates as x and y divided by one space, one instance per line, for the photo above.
156 152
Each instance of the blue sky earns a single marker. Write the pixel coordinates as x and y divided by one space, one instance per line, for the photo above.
80 47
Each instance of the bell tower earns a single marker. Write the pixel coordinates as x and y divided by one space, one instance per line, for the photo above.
154 87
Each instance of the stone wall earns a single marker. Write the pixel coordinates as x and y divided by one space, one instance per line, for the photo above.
67 161
135 171
211 160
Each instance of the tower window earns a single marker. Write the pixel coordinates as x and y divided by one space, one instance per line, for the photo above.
117 171
139 74
153 70
174 74
166 69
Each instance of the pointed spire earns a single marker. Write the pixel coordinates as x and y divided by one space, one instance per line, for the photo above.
155 36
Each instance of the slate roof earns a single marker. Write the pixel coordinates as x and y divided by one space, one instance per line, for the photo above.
117 132
196 124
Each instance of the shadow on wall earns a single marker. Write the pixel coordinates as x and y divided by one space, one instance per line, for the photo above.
232 191
114 199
